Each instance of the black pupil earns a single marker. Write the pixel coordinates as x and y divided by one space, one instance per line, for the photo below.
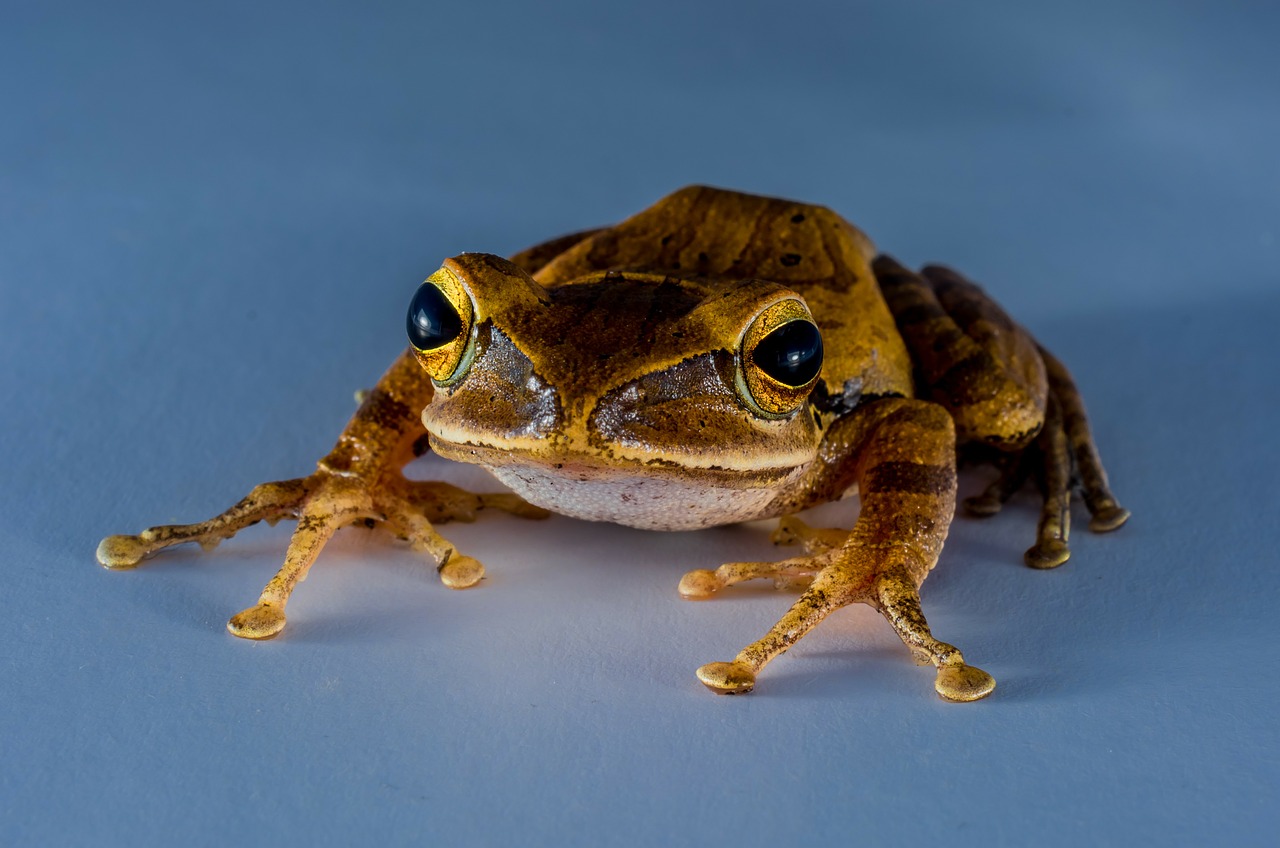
791 354
432 319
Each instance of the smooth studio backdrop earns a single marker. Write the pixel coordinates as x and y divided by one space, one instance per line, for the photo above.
212 217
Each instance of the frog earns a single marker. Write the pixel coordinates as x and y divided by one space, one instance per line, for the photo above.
719 357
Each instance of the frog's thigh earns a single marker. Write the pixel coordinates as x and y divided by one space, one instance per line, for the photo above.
1033 372
975 361
1001 387
906 476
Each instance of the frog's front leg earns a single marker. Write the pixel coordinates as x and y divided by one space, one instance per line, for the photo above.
901 454
359 480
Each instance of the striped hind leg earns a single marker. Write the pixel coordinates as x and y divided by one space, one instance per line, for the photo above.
1007 392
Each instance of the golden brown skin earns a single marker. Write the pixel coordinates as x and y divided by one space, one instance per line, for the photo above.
625 374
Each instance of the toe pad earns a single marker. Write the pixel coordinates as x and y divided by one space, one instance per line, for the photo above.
727 678
963 683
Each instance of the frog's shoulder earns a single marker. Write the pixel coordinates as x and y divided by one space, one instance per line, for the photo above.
701 232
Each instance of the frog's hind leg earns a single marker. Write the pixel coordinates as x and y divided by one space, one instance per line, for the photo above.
970 356
1054 526
1005 391
1062 458
1106 513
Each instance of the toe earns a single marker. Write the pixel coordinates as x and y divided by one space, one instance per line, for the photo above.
727 678
461 572
1108 519
963 683
259 622
699 585
1049 553
120 552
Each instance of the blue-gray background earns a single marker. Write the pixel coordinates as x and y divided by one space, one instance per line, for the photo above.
211 218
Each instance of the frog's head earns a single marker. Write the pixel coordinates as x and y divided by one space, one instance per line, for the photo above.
575 394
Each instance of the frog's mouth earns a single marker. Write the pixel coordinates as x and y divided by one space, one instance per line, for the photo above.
655 495
606 465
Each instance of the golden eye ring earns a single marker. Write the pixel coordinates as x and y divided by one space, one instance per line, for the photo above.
439 325
781 359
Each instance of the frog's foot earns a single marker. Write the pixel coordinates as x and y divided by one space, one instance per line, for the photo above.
1065 442
411 507
702 584
898 600
815 540
728 678
1014 470
258 622
1107 514
1063 445
1050 549
440 502
323 503
785 574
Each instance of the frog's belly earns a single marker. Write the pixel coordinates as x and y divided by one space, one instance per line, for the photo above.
650 503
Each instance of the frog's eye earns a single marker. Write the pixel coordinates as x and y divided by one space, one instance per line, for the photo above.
791 354
439 325
781 358
433 322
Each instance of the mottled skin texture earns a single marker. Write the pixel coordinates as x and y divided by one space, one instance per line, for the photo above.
614 374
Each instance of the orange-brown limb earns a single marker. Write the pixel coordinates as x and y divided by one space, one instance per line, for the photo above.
358 480
904 451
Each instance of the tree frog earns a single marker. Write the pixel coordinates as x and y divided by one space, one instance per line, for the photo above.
718 357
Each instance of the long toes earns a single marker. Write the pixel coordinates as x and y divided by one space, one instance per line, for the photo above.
258 622
699 585
121 552
727 678
963 683
1108 518
461 572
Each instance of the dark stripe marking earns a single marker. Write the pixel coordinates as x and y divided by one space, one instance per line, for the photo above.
973 379
917 313
382 410
910 477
